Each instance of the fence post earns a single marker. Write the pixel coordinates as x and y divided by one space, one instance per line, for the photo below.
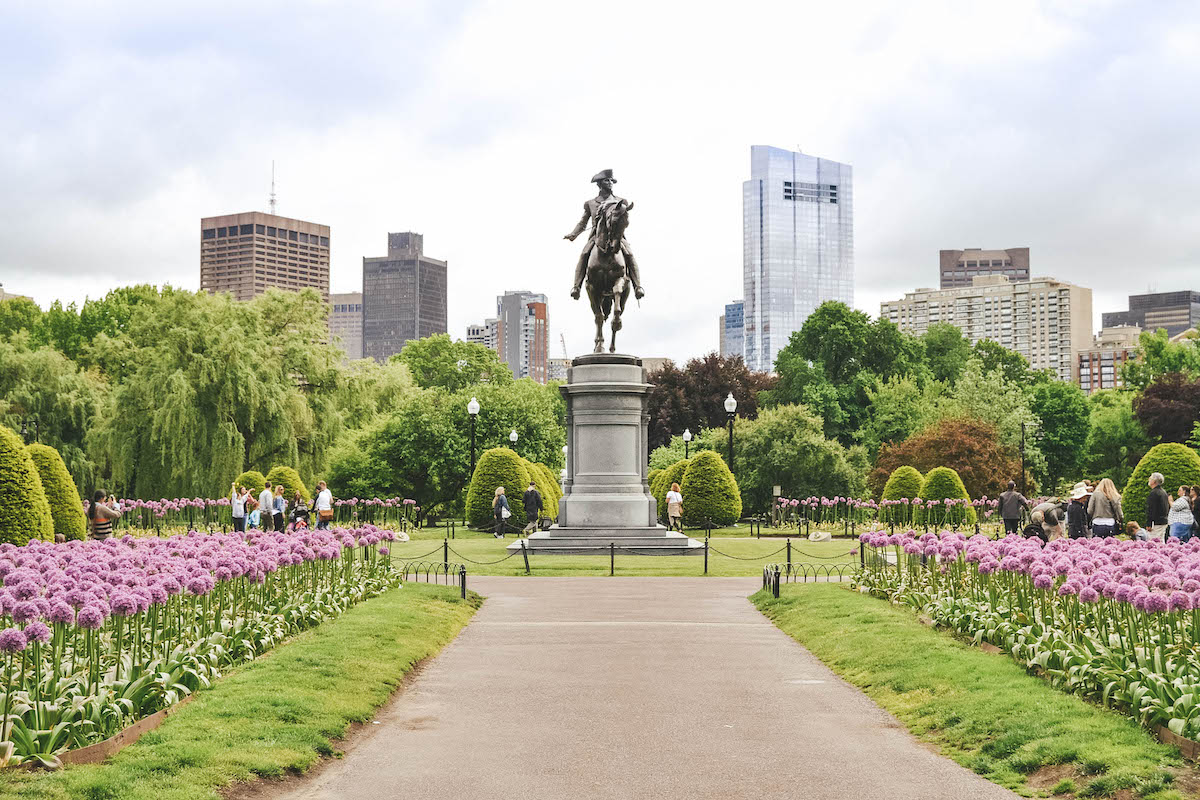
789 552
525 554
446 554
707 527
462 580
775 585
452 529
706 555
612 559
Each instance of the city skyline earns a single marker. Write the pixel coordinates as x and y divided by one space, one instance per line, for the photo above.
991 145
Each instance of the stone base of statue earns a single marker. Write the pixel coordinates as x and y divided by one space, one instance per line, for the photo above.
606 500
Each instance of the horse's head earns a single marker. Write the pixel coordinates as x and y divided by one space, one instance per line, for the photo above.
611 224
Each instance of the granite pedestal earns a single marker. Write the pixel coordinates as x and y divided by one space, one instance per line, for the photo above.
606 499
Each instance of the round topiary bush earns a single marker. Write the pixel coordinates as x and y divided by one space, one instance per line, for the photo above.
709 492
546 485
496 467
66 507
290 480
904 483
1179 465
553 492
652 479
672 474
940 484
255 481
24 512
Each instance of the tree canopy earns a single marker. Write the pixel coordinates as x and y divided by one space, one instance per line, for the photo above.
439 361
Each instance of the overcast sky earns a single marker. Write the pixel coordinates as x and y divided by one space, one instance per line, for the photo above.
1068 127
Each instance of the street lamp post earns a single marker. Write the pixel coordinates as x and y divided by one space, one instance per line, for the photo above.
512 437
687 440
473 412
730 412
25 430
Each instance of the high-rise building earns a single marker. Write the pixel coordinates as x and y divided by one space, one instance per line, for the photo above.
959 267
404 296
1046 320
345 323
1175 311
1099 366
486 333
733 330
556 369
246 254
524 334
798 245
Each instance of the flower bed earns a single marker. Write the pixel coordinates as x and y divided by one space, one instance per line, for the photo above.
1115 621
98 634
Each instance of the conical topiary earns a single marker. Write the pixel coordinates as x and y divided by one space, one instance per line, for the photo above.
496 467
24 512
66 506
903 484
941 484
710 492
255 481
1179 465
290 480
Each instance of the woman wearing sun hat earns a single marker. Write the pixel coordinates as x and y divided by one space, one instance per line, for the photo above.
1077 516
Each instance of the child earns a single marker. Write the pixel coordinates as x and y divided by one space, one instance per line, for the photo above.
1136 531
1035 528
255 517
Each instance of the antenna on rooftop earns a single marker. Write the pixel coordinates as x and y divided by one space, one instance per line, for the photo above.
272 203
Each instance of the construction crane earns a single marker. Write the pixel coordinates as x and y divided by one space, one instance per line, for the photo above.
563 339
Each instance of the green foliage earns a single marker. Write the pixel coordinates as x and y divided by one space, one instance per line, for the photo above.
1158 355
438 361
19 314
939 484
995 356
255 481
289 478
968 446
674 450
896 409
547 486
1179 465
694 397
904 482
652 477
24 511
1115 441
709 492
670 475
66 506
537 412
496 467
946 351
1063 410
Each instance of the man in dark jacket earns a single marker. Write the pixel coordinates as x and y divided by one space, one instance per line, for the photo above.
533 507
1158 505
1012 503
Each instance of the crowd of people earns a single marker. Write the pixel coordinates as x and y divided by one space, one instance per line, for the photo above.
270 511
1094 510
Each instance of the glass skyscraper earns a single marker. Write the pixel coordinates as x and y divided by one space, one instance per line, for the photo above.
798 245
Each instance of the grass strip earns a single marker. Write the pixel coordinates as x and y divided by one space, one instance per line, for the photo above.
983 710
273 716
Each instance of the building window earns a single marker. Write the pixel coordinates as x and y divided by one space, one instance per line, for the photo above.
209 233
270 231
259 229
221 232
304 238
247 230
325 241
292 235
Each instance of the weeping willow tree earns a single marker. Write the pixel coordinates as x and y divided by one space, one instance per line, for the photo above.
211 387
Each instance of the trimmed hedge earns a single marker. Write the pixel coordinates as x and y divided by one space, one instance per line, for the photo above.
710 492
1179 465
24 511
942 483
255 481
904 482
290 480
672 474
546 485
496 467
66 507
555 494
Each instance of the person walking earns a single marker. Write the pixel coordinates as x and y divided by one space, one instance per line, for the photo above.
279 508
1077 513
500 511
1105 508
101 515
266 505
675 508
1180 518
324 506
238 495
1012 504
533 507
1158 506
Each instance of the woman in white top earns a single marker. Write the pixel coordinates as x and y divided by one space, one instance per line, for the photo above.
1180 519
675 508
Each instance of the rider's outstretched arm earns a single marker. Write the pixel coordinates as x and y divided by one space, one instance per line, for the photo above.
583 222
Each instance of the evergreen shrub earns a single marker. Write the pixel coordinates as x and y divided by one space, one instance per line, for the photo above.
66 506
672 474
943 483
496 467
290 480
546 485
710 492
24 511
904 482
1179 465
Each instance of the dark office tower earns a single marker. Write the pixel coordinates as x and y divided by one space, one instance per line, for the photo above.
1174 311
404 296
246 254
959 267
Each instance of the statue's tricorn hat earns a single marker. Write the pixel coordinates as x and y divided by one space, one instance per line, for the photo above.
604 173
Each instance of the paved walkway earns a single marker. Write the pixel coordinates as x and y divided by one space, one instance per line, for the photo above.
634 688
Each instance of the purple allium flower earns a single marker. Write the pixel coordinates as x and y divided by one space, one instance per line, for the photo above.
37 631
1088 595
1043 581
383 551
12 640
91 617
25 611
61 612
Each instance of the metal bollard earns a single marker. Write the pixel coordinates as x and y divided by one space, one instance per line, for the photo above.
706 556
775 584
446 555
789 552
525 554
462 580
452 529
612 559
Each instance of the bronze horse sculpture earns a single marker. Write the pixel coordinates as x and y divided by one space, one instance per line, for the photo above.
607 283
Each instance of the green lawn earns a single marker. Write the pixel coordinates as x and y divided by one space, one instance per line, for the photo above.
723 558
983 710
276 715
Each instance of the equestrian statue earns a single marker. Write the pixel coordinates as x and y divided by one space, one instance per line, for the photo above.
606 261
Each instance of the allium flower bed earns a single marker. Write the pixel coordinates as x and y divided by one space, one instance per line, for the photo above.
1114 621
95 635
